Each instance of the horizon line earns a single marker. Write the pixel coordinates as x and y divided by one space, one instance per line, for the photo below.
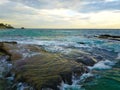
71 28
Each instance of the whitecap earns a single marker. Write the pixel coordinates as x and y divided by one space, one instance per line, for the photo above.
85 76
70 87
54 49
102 65
118 57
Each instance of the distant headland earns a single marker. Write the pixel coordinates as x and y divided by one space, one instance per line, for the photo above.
6 26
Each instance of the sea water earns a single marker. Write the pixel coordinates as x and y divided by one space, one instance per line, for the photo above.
105 73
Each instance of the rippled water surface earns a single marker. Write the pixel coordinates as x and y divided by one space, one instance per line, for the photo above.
106 73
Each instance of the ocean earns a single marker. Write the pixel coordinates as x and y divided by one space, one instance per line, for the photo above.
106 73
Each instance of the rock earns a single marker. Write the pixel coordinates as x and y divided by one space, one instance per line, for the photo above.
39 68
1 53
47 89
2 84
22 28
10 49
80 42
89 61
67 77
46 71
111 37
3 47
81 57
8 42
6 26
77 72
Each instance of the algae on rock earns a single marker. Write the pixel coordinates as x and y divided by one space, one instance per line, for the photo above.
39 68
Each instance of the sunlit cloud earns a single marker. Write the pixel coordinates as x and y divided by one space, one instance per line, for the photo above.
3 1
61 13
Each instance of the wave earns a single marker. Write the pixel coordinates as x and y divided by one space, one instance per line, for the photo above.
102 65
70 87
118 57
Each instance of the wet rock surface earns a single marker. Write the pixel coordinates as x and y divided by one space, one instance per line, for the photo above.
81 57
36 68
2 84
5 67
39 68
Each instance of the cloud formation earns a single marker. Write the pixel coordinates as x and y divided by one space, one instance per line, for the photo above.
101 5
61 13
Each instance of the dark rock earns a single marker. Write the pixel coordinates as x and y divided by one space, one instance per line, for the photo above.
99 58
4 48
86 60
22 28
47 89
80 42
107 36
111 37
9 42
81 57
52 84
2 84
66 77
10 49
77 72
6 26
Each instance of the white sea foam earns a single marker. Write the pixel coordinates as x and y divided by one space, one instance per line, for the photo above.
4 66
118 57
56 46
75 85
63 46
85 76
45 43
53 43
101 65
24 86
25 52
60 49
70 87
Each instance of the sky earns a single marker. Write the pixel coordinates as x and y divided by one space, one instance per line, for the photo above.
61 13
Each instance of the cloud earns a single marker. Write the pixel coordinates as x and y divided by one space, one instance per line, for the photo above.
61 13
77 5
3 1
100 5
111 0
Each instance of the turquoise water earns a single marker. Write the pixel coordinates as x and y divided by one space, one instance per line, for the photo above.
106 74
58 32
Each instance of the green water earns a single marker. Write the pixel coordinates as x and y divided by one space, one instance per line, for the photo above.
109 80
58 40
